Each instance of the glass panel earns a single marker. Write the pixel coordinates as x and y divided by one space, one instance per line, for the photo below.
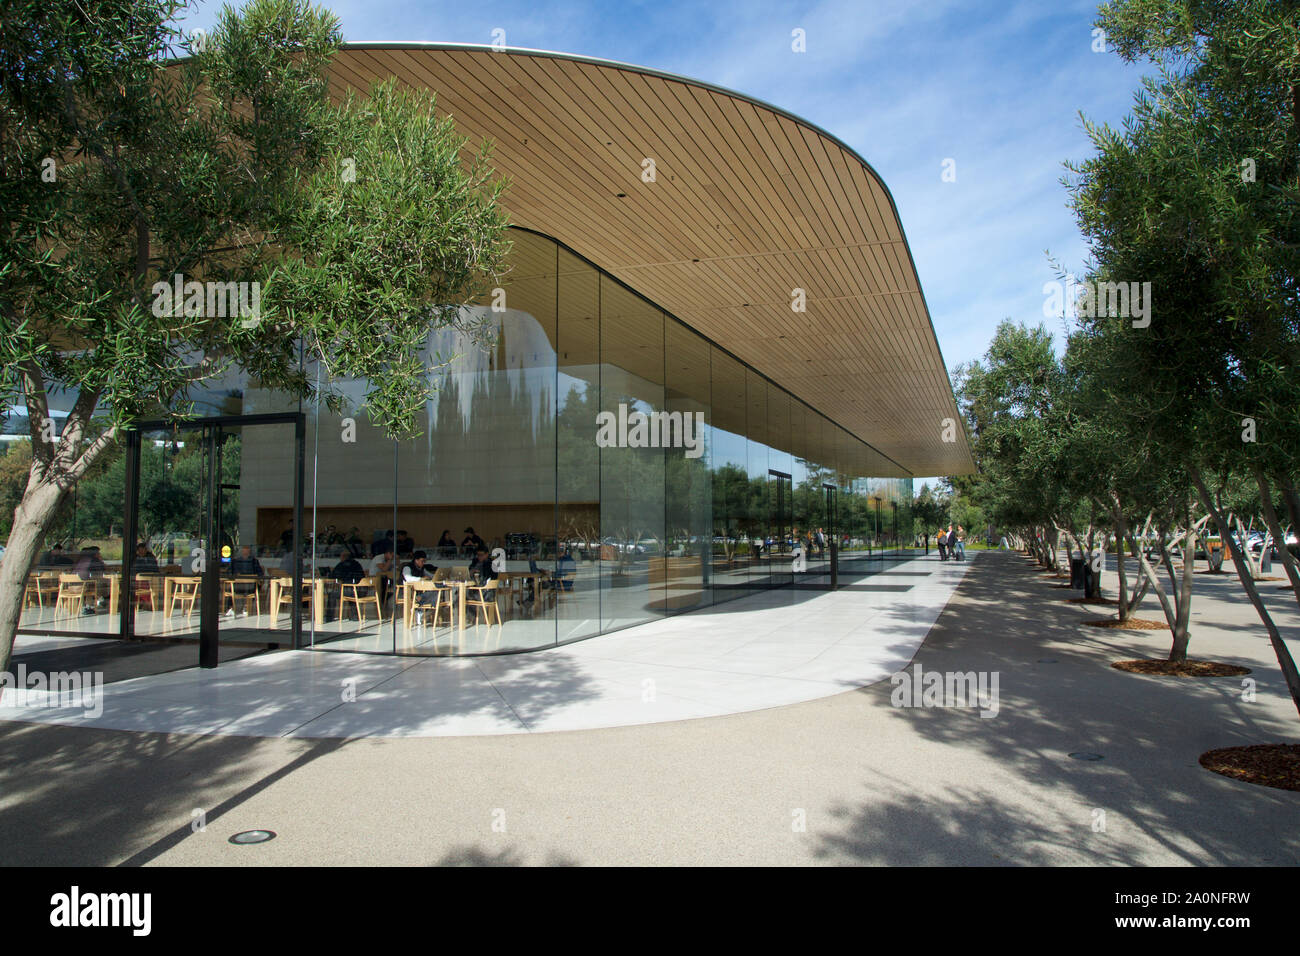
733 549
762 538
631 459
575 549
686 565
476 491
170 517
75 586
255 536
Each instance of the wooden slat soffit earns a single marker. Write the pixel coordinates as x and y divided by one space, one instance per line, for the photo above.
748 203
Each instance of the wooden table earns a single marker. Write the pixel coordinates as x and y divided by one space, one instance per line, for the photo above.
535 576
412 587
278 584
169 590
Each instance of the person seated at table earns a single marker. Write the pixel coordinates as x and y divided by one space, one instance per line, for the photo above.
90 566
447 544
417 570
348 570
481 572
381 568
145 562
384 545
472 541
244 564
565 569
55 558
405 545
480 569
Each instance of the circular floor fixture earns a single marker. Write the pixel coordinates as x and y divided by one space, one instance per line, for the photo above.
247 837
1085 755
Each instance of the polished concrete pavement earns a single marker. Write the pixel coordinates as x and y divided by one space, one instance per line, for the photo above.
770 649
841 779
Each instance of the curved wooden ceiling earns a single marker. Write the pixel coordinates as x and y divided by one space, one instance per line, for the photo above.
748 204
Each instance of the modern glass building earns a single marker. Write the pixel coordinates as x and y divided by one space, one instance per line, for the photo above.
694 385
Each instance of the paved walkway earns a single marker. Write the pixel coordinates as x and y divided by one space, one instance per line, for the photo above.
770 649
841 779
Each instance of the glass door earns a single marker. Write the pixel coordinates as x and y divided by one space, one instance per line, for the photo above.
213 506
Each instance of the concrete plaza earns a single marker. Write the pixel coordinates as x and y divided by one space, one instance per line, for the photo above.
838 778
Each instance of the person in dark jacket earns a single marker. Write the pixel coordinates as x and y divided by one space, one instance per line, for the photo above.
246 565
56 558
481 567
447 544
472 540
145 562
89 564
349 570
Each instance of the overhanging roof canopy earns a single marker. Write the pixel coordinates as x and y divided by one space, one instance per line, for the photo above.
748 204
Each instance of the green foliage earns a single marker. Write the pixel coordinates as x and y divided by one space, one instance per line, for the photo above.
228 166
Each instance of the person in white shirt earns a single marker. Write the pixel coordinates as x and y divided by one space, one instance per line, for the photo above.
381 568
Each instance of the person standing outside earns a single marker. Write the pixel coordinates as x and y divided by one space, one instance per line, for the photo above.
961 543
941 540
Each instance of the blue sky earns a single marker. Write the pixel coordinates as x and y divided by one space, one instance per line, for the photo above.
995 86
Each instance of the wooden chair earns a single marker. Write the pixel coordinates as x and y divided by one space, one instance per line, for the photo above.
230 591
559 585
285 597
484 597
351 594
186 590
41 586
443 598
72 594
149 587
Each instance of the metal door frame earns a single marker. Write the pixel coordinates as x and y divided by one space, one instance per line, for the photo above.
212 429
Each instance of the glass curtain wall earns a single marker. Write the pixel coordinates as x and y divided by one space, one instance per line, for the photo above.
613 465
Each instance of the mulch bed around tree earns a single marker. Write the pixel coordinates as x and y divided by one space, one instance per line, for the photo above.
1087 600
1187 668
1132 624
1267 765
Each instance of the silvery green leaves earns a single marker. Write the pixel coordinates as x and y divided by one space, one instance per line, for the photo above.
233 169
371 265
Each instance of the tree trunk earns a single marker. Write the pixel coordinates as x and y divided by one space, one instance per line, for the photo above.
1181 633
40 500
1140 586
1275 529
1121 530
1153 578
1280 650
